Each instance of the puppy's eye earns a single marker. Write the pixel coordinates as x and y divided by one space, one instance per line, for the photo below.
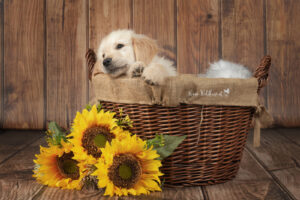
119 46
103 55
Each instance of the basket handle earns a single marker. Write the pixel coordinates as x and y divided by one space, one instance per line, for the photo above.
262 72
91 59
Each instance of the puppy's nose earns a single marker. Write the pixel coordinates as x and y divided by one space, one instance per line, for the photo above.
107 62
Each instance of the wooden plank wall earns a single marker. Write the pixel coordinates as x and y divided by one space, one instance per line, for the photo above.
198 34
1 62
24 58
283 43
66 83
42 47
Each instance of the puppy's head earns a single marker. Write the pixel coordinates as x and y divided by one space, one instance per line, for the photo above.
120 49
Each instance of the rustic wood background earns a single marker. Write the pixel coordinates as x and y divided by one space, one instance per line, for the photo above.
43 42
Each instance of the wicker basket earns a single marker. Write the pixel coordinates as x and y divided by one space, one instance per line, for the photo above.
216 135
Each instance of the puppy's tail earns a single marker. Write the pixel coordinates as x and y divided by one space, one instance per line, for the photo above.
91 59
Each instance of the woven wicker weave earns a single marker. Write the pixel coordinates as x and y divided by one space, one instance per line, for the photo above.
216 136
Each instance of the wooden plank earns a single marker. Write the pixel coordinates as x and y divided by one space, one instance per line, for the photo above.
18 189
252 182
197 34
16 181
236 190
293 134
106 16
21 165
56 193
1 63
243 33
250 169
66 69
275 151
23 64
194 193
156 19
13 141
283 44
168 193
290 179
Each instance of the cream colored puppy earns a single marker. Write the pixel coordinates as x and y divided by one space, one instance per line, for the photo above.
124 52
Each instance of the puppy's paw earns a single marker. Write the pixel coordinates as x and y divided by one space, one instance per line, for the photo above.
149 81
136 70
153 76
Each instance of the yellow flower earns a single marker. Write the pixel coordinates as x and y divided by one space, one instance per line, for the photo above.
55 167
128 167
90 132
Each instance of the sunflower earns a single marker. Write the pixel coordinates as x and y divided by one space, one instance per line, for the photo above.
128 167
55 167
90 132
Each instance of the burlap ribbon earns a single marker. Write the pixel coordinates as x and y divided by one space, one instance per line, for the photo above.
262 119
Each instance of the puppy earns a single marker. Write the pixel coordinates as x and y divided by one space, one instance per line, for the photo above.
125 53
226 69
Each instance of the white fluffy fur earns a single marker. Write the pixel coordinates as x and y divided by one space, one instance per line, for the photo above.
226 69
125 60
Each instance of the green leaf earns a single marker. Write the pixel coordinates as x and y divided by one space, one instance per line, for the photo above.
165 145
99 107
88 107
55 134
55 128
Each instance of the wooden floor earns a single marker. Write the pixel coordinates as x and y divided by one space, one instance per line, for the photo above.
271 171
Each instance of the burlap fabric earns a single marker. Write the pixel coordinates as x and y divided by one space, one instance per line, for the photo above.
188 89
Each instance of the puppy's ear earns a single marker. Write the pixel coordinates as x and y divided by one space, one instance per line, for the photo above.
144 48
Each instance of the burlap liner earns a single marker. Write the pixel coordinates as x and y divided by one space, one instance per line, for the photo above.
188 89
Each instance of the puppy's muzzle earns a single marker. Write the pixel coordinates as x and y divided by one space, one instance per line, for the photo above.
107 62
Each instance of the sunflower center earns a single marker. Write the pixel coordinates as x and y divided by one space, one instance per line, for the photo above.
95 138
100 141
125 171
67 166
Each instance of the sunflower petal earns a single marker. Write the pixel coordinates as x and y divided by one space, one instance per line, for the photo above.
134 146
